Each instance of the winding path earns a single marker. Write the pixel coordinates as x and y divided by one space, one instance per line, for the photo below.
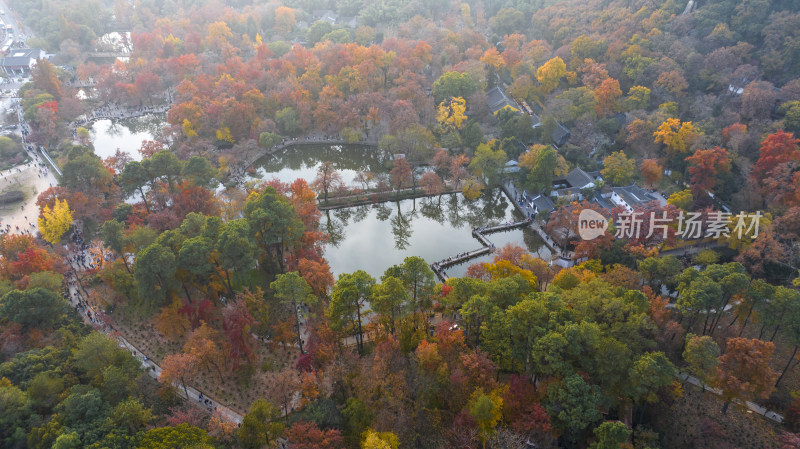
153 369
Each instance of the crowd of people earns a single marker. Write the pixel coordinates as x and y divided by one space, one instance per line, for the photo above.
81 257
17 230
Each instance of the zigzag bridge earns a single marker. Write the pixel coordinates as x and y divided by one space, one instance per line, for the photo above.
480 235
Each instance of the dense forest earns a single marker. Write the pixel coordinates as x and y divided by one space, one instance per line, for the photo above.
176 300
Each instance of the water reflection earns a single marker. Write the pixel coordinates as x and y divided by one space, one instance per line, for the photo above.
126 135
301 161
401 228
334 228
375 237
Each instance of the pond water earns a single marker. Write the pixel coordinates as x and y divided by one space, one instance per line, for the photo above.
302 161
126 135
374 237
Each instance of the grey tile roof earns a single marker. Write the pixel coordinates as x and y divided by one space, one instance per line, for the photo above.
634 195
496 99
602 202
15 61
350 21
561 134
324 14
579 178
21 57
543 203
495 95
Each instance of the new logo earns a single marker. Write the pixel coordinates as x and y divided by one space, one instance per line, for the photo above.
591 224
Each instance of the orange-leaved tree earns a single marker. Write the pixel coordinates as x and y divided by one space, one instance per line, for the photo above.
744 372
705 166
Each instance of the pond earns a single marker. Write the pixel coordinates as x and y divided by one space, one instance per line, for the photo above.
126 134
374 237
302 161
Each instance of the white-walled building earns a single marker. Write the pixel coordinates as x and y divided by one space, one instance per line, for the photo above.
20 61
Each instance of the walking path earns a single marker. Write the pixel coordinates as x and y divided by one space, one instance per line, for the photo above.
502 227
95 319
691 248
44 179
379 197
488 247
52 163
35 175
752 406
155 372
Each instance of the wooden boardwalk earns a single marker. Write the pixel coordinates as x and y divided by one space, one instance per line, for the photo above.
503 227
480 235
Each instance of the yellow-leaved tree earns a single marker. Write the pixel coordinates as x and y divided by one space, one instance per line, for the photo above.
504 268
618 168
682 199
188 129
174 41
472 189
218 34
492 58
55 222
83 136
451 115
224 133
486 409
466 14
550 73
284 19
676 135
530 158
379 440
